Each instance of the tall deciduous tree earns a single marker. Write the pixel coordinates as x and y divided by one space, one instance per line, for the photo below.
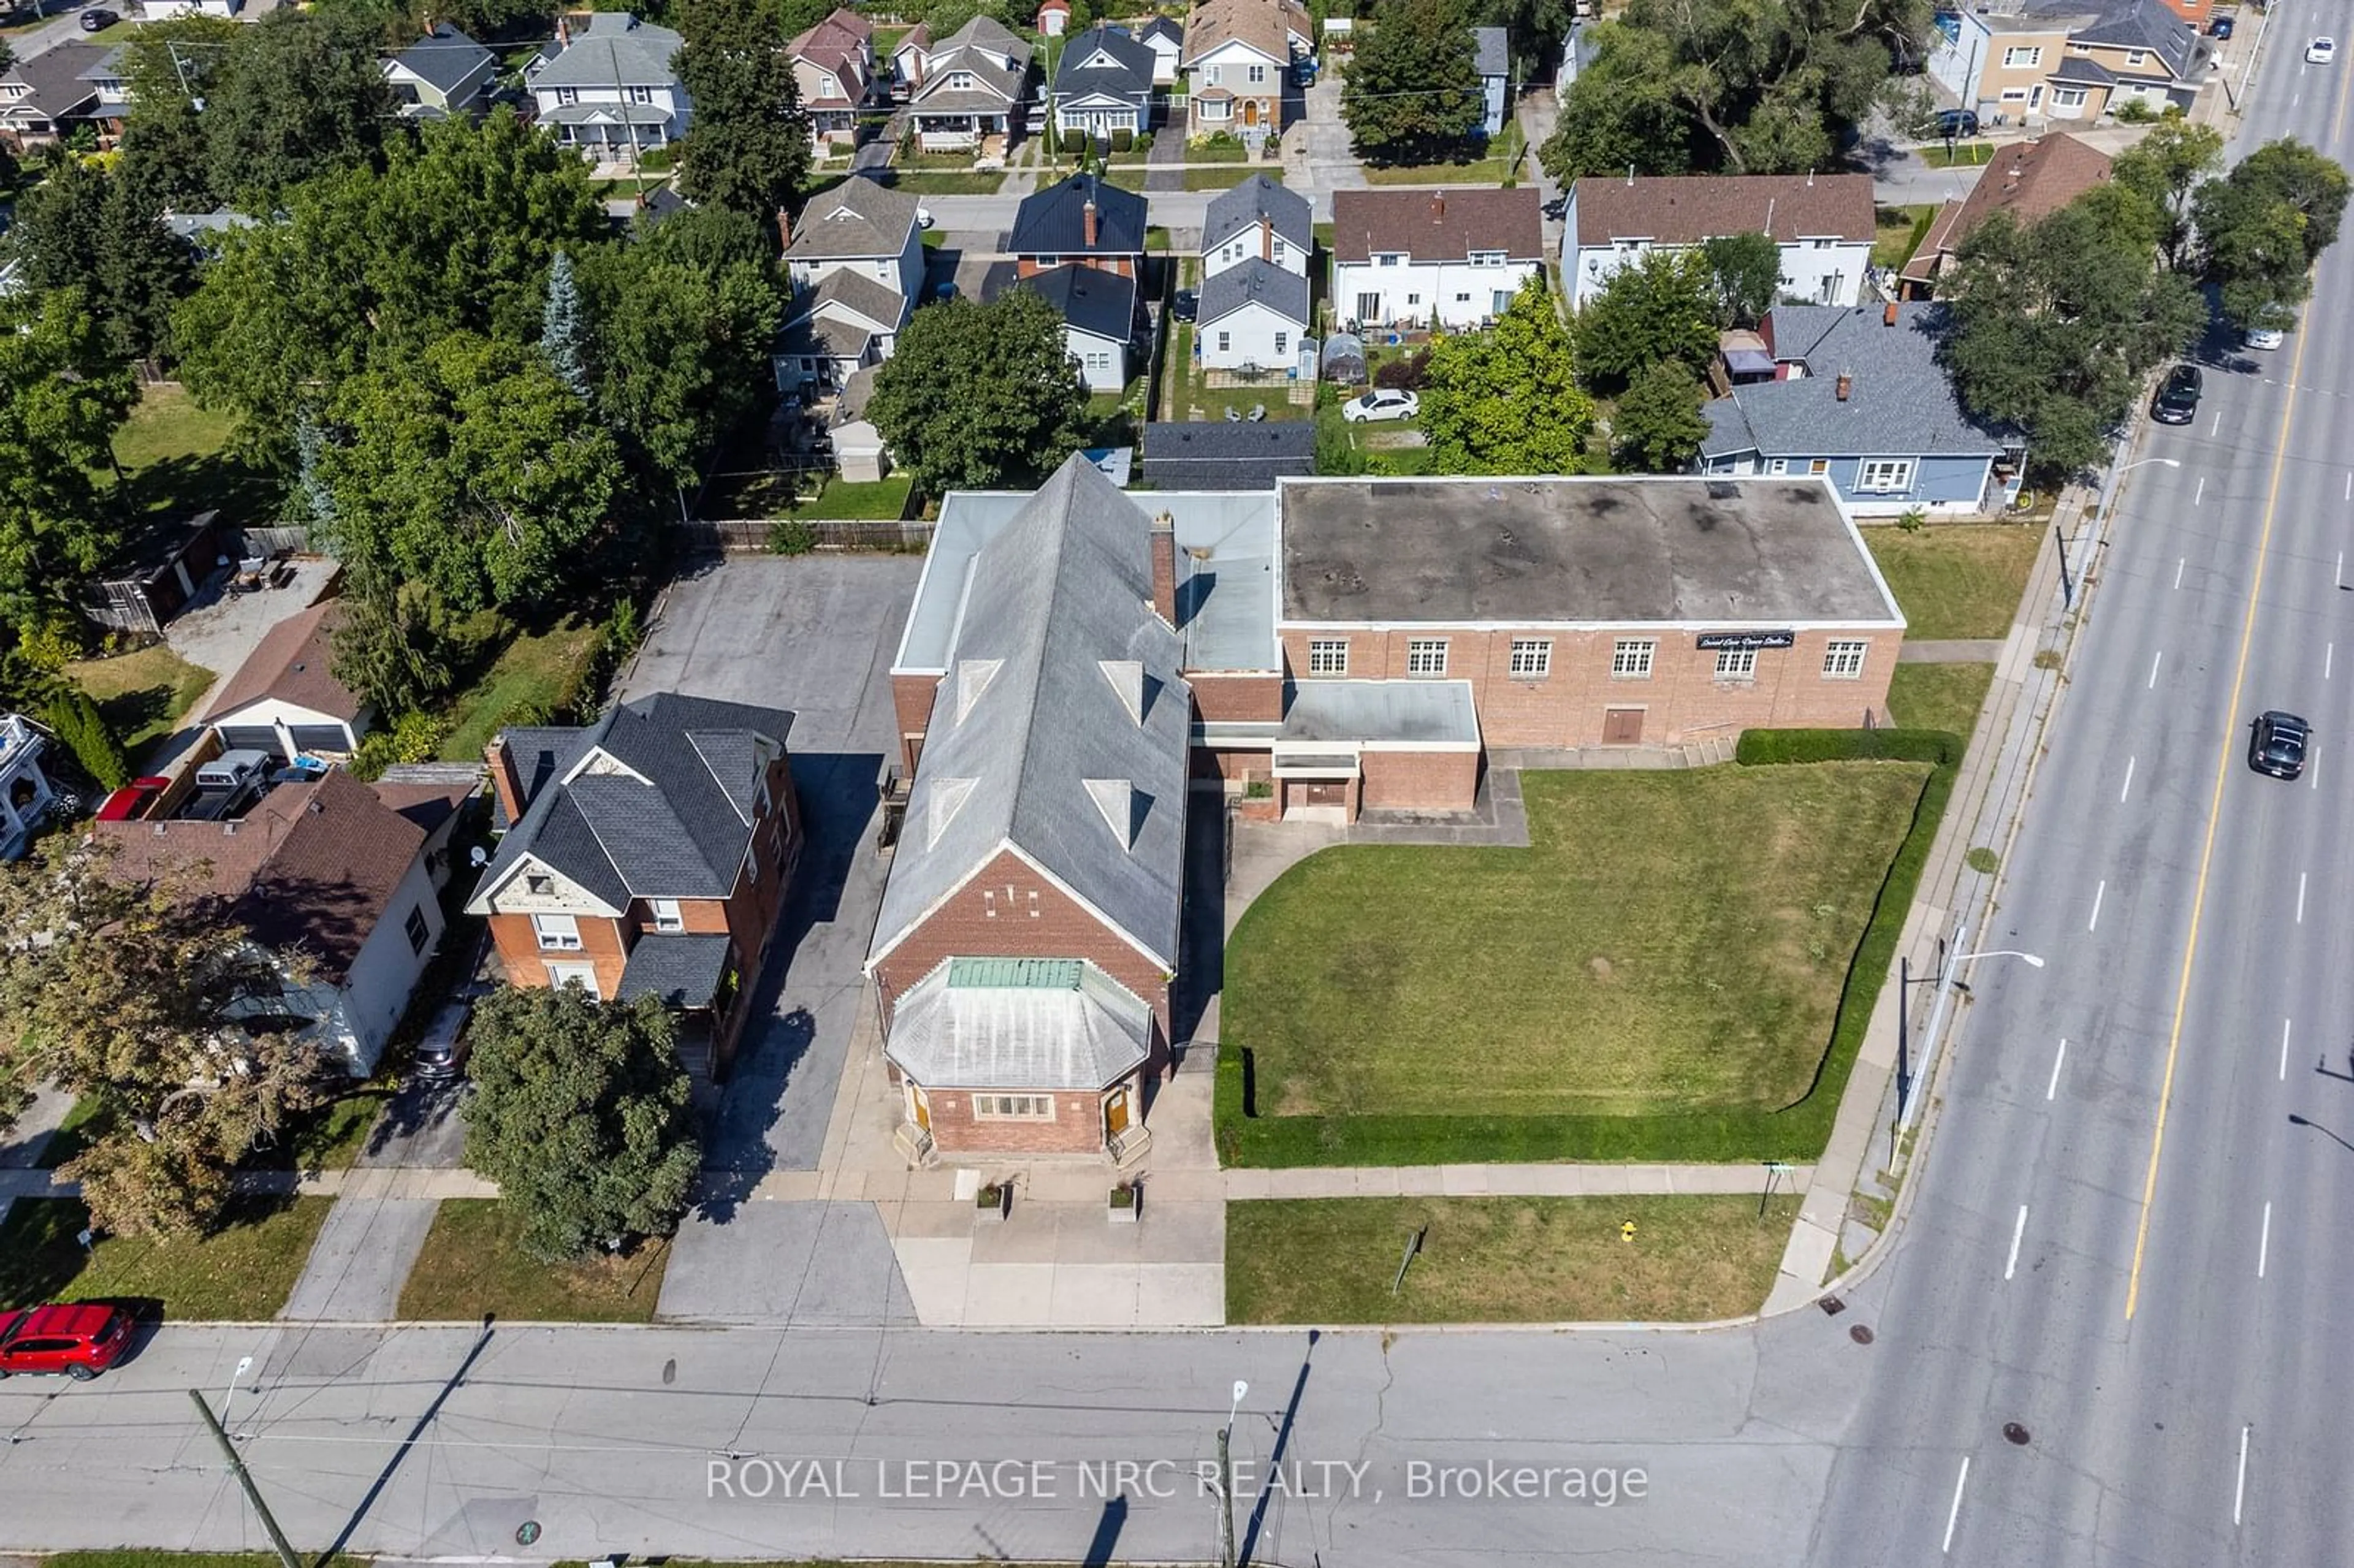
1411 91
85 226
1745 275
1507 400
2165 168
978 395
749 147
62 396
2263 226
1662 306
580 1113
1657 426
130 991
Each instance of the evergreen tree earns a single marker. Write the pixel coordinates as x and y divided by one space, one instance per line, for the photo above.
564 328
749 146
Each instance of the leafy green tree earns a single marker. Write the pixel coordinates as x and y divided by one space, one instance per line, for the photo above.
2264 225
62 397
469 467
580 1113
1507 400
1657 426
2165 168
564 328
1621 114
167 67
2054 324
977 396
1411 91
87 226
302 92
749 147
1745 273
1662 306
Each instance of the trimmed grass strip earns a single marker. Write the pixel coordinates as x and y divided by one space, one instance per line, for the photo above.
1958 579
241 1273
1938 697
475 1262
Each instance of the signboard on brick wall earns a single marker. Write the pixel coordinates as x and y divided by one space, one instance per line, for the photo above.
1750 642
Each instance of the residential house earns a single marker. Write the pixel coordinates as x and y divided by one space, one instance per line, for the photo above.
1860 401
1353 644
1103 84
856 264
1406 258
1222 454
1054 17
1823 223
340 879
609 88
646 854
1028 934
1238 56
26 792
972 91
285 699
1165 36
833 68
1083 219
907 55
109 75
1253 311
1099 311
2132 49
1491 55
443 73
1998 62
1260 220
42 99
2028 180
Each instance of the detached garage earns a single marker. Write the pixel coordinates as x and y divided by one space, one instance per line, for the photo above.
285 699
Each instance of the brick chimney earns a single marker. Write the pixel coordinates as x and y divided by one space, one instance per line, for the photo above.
1266 239
784 231
1087 217
1163 538
1888 317
505 779
563 32
1843 386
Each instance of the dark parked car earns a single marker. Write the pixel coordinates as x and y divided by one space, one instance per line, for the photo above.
1184 305
2176 402
1953 124
79 1338
2277 748
2220 27
97 18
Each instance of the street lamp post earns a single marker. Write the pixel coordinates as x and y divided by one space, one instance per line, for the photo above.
2108 495
1226 1479
1954 959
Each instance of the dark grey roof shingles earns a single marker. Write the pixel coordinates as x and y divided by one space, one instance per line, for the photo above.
1254 283
1053 222
1232 211
1900 403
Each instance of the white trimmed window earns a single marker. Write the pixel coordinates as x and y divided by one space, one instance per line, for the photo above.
1531 657
1736 664
668 917
1844 661
556 933
1328 656
2024 58
1427 656
1013 1108
582 975
1884 474
1630 657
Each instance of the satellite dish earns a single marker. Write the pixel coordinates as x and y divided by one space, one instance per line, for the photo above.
478 857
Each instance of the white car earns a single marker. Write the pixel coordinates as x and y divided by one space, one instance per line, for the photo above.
2266 338
923 217
2321 51
1381 404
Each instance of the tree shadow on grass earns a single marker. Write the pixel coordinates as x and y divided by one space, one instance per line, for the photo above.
178 487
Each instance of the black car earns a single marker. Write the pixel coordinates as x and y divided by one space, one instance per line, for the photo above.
2277 748
2176 402
97 18
1184 305
1953 124
2220 27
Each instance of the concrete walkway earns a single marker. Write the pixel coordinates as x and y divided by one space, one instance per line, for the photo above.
1509 1181
368 1183
360 1260
1959 650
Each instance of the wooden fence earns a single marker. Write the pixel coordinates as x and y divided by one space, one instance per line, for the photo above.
785 535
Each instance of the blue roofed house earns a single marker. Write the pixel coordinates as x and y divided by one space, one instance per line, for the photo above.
1859 398
1103 84
1491 54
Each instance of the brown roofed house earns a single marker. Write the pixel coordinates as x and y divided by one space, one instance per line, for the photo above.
1408 257
285 699
2028 180
1823 223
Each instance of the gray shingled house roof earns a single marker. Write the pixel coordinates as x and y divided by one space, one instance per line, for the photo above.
656 799
612 49
1100 303
857 219
1900 401
60 80
444 59
1232 211
1106 61
977 48
1491 54
1053 222
1254 283
1060 730
861 296
2143 25
1218 454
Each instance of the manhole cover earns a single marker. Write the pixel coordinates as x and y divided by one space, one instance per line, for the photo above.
2015 1431
526 1533
1832 1306
1860 1333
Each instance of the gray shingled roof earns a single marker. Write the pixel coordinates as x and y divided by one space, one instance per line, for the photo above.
1053 222
1019 1023
678 969
1219 454
1106 60
612 47
1232 211
858 219
670 818
2144 25
61 79
1100 303
1032 744
1254 283
1900 403
1491 54
860 295
976 47
444 59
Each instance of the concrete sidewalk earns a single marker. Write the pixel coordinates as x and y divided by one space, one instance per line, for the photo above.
1509 1181
370 1183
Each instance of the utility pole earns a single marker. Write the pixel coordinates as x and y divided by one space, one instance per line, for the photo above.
253 1493
1226 1480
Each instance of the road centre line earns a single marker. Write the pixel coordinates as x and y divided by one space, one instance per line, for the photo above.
2264 1240
2215 807
2019 1229
2098 893
2153 670
2052 1087
2128 785
1954 1514
2238 1489
2328 659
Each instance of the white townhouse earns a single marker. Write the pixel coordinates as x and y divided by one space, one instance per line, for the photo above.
1404 258
608 89
1822 222
1256 240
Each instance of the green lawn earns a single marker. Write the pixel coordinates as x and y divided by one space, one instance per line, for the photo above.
1229 176
472 1263
936 182
534 679
1939 696
1185 393
1968 154
1494 169
1897 231
1957 580
884 500
142 695
1635 960
242 1272
172 454
1504 1260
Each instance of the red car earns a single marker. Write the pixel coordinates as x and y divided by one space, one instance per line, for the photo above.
79 1338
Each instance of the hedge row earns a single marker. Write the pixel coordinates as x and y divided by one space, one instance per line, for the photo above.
1795 1132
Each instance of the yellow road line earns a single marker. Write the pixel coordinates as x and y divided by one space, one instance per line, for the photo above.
2214 812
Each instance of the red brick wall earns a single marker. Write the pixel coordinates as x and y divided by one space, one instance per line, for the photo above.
983 920
911 696
603 942
1077 1127
1683 697
1423 781
1237 699
1232 766
1027 266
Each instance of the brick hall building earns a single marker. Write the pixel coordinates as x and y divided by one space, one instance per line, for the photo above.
1077 661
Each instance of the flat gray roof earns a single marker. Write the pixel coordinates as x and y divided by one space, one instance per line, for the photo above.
1400 713
1607 552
